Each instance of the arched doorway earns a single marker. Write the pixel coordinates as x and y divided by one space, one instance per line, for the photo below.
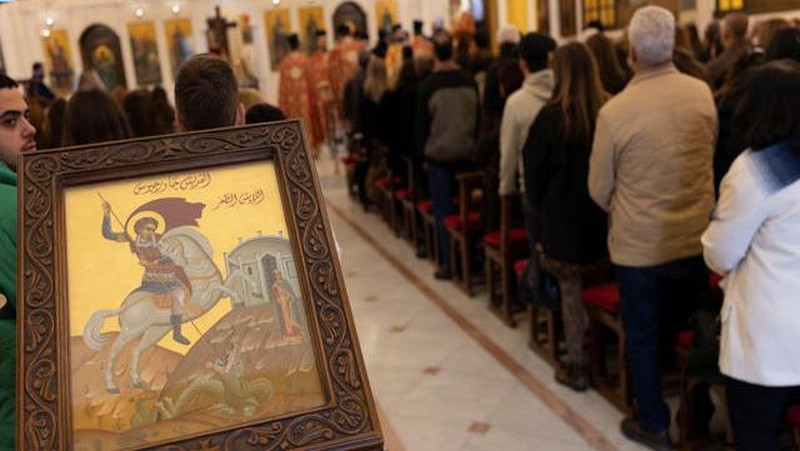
100 50
350 14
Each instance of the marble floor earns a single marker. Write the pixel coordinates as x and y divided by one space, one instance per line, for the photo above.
446 373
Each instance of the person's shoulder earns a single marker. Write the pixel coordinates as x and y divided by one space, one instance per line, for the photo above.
516 99
689 80
619 103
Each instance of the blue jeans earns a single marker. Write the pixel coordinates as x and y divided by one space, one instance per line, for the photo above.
656 303
442 186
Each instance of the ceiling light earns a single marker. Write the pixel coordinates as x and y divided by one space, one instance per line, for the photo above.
176 9
139 12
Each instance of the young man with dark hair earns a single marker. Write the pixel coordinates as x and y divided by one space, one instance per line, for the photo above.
16 136
523 106
447 128
520 111
207 94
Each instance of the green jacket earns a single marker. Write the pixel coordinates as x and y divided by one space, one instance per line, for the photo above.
8 314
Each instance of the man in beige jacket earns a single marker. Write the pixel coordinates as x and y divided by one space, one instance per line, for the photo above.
651 169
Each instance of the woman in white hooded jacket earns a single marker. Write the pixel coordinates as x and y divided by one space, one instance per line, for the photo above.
754 241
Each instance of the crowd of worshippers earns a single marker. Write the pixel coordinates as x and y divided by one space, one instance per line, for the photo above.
654 160
93 114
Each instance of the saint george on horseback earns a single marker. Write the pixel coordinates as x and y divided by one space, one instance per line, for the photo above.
180 283
165 280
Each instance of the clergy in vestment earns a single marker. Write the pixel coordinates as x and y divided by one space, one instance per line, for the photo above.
294 96
343 62
419 42
319 76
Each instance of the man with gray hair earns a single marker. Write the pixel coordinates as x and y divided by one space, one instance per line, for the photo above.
651 169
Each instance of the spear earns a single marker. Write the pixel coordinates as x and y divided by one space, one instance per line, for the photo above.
115 217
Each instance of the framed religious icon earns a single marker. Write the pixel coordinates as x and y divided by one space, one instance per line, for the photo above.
278 28
144 47
183 292
101 51
311 21
179 42
58 60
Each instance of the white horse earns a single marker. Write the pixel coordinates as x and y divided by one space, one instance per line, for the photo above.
140 317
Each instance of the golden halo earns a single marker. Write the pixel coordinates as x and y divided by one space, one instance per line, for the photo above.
145 214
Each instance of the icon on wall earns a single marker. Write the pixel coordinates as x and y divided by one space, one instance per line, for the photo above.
145 52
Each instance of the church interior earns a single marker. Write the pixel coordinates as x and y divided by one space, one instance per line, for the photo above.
457 360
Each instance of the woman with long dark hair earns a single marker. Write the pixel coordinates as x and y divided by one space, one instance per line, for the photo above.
612 74
93 116
573 228
754 241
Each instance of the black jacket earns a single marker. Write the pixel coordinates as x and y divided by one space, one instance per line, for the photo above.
573 228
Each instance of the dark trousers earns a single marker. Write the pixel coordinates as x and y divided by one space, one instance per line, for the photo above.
442 186
756 413
657 302
531 218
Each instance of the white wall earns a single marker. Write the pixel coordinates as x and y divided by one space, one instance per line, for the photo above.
21 22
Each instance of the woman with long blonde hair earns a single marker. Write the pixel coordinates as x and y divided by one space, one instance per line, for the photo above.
573 228
371 125
377 81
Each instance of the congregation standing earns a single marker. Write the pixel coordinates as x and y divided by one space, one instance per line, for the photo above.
646 161
623 153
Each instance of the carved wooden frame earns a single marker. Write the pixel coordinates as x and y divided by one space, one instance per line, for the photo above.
347 421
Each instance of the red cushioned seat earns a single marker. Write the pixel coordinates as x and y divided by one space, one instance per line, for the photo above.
349 160
453 222
520 266
425 206
518 236
382 183
793 416
685 339
402 194
603 296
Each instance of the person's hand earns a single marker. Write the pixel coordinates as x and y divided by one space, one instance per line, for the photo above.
3 300
106 208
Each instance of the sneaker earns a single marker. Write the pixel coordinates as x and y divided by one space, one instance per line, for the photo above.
634 431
